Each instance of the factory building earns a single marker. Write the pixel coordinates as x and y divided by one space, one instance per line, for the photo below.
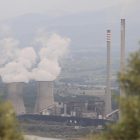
55 110
89 109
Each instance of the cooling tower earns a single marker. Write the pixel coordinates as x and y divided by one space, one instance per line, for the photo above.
122 48
15 95
108 90
45 97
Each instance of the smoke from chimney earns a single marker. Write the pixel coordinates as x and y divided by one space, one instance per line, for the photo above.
127 7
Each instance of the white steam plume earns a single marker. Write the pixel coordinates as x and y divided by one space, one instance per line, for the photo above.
17 62
8 47
14 72
124 10
54 48
127 7
27 57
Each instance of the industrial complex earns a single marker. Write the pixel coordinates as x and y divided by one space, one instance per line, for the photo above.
91 109
45 104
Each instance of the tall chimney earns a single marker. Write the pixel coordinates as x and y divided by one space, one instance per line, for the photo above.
65 109
108 90
45 97
15 95
122 52
122 48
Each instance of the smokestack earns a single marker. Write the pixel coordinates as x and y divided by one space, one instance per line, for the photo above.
45 97
15 95
122 52
122 48
108 90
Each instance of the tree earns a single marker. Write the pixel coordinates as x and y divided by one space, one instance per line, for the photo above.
8 124
128 127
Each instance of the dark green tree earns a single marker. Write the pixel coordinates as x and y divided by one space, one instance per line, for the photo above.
128 127
8 124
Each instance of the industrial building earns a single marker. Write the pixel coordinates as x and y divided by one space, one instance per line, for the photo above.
90 109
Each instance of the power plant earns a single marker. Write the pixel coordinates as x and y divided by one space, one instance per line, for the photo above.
15 95
108 89
45 104
45 97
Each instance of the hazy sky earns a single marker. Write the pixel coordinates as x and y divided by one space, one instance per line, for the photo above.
14 8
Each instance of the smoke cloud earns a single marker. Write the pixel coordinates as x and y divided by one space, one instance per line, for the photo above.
17 65
14 72
127 7
9 50
53 48
15 62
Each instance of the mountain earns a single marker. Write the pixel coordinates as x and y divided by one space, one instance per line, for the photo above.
84 29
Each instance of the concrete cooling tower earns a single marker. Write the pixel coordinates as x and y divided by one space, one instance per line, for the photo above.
45 97
15 95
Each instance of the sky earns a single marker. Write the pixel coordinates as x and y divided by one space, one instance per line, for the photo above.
14 8
77 29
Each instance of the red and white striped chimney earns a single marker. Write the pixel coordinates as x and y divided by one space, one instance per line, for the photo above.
108 89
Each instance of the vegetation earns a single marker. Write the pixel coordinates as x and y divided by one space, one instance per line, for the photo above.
128 127
113 101
8 124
